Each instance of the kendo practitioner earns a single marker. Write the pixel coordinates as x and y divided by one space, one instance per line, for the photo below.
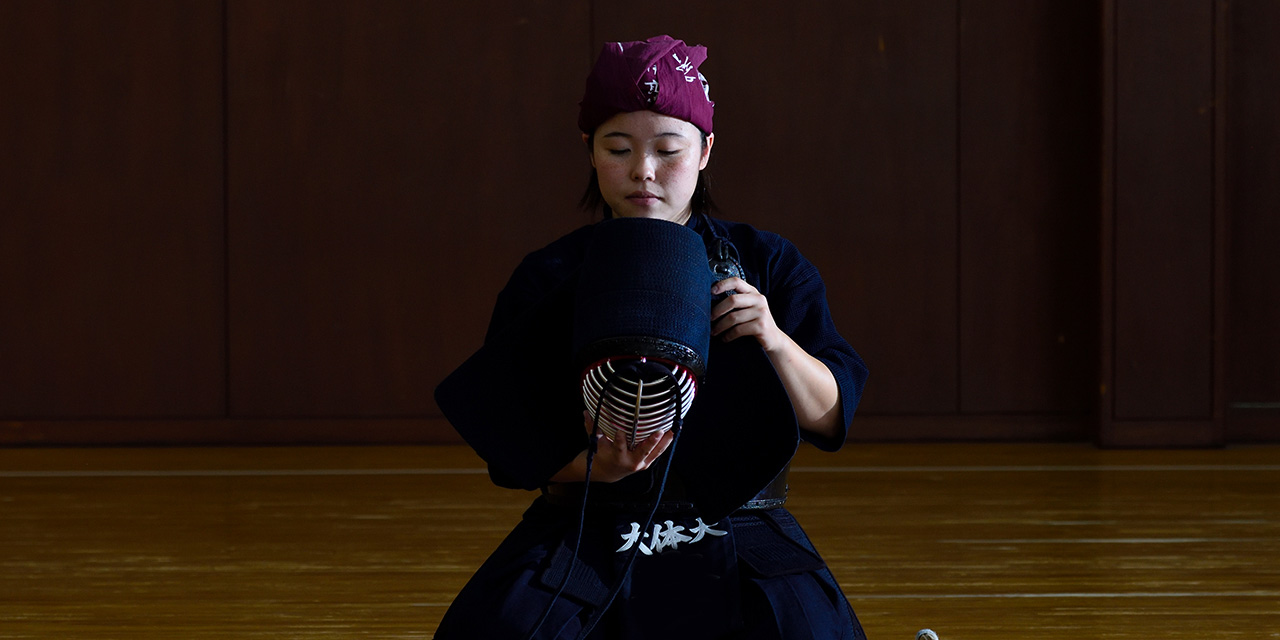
677 530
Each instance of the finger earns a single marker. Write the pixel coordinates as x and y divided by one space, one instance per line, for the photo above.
644 454
734 283
736 332
736 303
722 325
756 327
724 306
724 322
736 318
644 450
620 442
595 440
721 286
659 448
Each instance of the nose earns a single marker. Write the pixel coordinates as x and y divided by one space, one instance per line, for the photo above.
643 167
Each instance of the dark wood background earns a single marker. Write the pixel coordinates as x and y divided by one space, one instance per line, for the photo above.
229 221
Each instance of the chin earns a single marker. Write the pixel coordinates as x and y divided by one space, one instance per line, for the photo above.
646 213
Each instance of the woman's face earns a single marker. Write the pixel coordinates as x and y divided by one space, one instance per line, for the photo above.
648 164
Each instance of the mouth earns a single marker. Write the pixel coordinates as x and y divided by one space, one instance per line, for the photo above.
642 195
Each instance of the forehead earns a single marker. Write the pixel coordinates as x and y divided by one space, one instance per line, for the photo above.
645 124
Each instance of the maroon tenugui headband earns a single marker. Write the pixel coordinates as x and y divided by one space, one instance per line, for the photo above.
659 74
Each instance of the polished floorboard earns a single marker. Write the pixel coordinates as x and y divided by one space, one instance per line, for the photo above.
976 541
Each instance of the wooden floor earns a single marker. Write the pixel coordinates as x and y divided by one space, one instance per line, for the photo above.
974 541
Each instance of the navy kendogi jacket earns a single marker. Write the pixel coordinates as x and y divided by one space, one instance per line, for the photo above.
517 402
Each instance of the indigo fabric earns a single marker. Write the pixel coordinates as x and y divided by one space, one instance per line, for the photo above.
644 277
758 574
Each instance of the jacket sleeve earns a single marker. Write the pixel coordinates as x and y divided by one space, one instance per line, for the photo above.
515 400
798 301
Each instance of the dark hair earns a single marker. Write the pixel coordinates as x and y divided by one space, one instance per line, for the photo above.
593 200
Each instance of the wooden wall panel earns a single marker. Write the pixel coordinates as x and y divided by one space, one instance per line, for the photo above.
1164 208
1253 161
1029 150
390 164
836 127
387 164
111 209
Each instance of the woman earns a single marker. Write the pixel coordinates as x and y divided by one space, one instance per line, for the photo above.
714 562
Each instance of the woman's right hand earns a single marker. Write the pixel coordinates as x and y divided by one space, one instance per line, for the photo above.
613 460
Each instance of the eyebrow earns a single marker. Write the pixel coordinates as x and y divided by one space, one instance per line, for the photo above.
665 134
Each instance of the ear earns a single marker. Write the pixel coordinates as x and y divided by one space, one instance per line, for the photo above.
706 153
586 142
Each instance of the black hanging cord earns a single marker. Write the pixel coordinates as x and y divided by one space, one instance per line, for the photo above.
677 425
724 252
609 383
722 258
706 219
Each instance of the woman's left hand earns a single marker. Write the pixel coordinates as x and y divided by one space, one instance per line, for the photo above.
809 383
745 313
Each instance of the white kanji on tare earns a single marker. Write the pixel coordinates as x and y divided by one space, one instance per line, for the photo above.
666 535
